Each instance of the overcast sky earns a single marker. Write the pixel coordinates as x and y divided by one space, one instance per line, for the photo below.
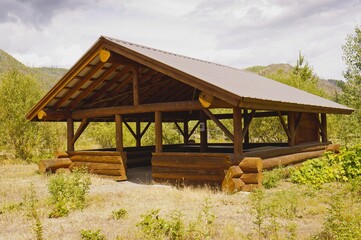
239 33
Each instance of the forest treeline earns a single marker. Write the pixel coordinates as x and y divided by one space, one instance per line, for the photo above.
20 90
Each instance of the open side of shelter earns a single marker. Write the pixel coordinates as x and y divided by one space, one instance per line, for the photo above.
121 82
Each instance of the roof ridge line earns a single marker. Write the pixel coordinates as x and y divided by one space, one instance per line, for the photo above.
174 54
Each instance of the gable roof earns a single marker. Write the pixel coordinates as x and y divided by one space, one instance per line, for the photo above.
93 84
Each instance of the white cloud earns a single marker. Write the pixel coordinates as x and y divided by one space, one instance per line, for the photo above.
239 33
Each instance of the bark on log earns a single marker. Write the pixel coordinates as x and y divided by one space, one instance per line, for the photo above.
53 164
333 148
96 166
96 159
191 162
251 165
108 172
274 152
187 171
95 153
232 185
61 155
185 177
271 163
252 178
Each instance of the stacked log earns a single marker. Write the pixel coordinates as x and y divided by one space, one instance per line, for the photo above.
51 165
101 163
247 176
190 168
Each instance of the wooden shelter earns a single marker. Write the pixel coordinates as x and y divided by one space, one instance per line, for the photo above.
123 82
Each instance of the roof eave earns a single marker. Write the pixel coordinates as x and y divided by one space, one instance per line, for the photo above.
85 59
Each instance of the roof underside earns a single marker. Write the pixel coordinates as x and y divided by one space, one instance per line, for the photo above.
167 77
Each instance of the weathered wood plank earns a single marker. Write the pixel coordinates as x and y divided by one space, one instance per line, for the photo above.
53 164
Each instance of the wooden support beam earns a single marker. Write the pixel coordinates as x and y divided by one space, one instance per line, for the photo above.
130 130
143 108
203 132
158 132
324 127
83 125
138 138
218 123
246 135
135 85
70 134
145 129
247 123
186 132
119 132
193 129
237 133
283 123
291 129
179 128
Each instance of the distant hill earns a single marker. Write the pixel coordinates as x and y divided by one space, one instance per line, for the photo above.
47 77
330 86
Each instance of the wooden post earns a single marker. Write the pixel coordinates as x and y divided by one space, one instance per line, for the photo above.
119 132
138 133
186 132
237 133
291 128
246 119
70 134
324 127
135 85
203 131
158 132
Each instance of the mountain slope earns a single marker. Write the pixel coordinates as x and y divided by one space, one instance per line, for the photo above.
329 86
47 77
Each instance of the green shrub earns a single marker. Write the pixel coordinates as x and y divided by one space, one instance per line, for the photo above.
31 203
152 225
343 220
173 227
92 235
119 214
67 192
272 178
329 168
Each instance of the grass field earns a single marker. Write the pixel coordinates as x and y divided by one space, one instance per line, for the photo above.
287 212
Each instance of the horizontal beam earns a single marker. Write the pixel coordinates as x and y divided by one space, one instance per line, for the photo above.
257 104
144 108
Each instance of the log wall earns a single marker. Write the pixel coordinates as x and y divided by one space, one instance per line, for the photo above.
190 168
104 163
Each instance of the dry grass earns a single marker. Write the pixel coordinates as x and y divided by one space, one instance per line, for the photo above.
234 214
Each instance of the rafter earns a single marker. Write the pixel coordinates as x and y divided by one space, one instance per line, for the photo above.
93 85
110 82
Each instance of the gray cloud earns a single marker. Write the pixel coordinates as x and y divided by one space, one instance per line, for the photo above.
37 13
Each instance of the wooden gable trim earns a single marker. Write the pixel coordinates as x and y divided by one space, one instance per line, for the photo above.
73 72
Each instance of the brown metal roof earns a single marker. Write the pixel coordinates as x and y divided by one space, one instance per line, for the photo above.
167 77
239 82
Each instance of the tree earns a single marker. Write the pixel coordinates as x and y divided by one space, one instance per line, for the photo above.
351 95
18 93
